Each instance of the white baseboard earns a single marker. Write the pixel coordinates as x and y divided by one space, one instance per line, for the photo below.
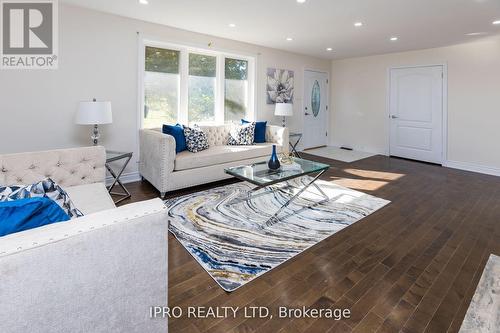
125 178
473 167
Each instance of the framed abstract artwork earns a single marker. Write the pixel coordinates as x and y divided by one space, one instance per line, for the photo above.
280 86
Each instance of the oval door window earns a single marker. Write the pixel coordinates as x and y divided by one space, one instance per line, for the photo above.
316 98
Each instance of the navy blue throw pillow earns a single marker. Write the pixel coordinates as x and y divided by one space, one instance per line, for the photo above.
260 130
24 214
177 132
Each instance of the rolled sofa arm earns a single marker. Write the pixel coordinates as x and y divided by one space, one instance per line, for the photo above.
156 157
278 135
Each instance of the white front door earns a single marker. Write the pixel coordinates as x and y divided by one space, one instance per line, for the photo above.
315 109
416 113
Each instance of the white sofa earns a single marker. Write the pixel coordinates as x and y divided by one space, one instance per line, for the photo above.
168 171
97 273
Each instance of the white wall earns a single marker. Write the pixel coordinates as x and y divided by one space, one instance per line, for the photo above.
99 58
359 101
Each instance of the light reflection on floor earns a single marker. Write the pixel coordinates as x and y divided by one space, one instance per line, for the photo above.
367 180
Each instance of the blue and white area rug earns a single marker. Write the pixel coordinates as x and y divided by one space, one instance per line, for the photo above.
228 240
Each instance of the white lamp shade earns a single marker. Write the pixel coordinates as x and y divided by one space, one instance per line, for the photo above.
94 113
284 109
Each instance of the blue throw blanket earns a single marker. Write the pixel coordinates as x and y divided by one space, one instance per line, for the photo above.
24 214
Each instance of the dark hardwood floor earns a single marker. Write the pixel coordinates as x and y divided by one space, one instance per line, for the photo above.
412 266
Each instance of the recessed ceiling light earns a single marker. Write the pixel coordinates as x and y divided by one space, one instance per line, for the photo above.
329 49
143 2
394 39
301 1
232 25
476 33
289 39
497 22
358 24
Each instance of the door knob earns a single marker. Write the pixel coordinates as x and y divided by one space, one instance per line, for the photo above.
307 114
394 117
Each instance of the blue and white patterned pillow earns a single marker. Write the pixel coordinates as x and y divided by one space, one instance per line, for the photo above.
196 139
242 135
46 188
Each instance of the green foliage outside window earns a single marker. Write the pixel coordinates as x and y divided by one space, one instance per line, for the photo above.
201 91
236 69
162 60
160 86
201 104
202 65
161 91
236 72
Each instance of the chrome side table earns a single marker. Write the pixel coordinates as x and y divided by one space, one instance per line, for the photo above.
293 146
113 156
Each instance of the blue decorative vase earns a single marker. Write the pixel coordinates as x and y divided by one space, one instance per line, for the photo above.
274 162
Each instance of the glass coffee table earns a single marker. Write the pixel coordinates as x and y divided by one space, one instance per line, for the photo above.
261 176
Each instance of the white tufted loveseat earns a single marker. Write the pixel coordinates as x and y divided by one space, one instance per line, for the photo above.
67 167
98 273
79 171
168 171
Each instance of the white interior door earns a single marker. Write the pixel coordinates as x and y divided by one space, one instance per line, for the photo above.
416 113
315 109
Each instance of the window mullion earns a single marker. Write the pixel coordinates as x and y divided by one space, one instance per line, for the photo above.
250 90
219 93
184 88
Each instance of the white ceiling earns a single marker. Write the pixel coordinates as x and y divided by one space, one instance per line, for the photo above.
318 24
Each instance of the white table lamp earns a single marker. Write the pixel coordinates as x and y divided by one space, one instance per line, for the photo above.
284 110
94 113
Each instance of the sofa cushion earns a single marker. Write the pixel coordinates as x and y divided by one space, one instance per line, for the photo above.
220 155
25 214
91 198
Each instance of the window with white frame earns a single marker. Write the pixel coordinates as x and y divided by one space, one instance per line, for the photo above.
187 85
